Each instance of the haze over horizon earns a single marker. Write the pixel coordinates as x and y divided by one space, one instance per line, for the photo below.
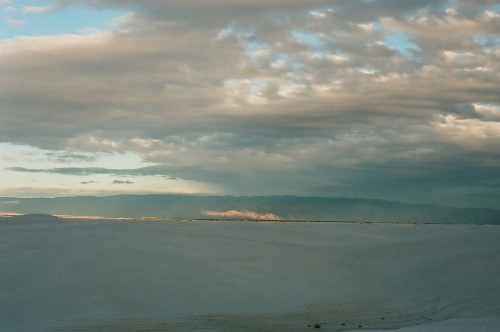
392 100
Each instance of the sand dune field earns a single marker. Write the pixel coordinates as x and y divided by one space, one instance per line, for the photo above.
112 275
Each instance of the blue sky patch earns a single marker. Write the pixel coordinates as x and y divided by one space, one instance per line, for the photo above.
23 19
402 43
313 41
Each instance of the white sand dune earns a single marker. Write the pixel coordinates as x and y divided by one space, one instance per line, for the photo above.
77 275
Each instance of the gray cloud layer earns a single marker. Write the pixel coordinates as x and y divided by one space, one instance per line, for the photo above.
275 97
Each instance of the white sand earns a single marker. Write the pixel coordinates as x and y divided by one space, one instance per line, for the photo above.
117 275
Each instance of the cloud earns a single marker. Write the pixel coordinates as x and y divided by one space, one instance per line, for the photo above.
122 182
10 9
64 156
271 97
89 182
37 9
13 22
471 134
72 170
233 214
84 171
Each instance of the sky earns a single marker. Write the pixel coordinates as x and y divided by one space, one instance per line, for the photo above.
384 99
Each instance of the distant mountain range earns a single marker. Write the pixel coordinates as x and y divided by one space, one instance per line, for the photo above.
259 208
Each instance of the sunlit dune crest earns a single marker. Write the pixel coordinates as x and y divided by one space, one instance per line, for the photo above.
234 214
9 214
16 202
66 216
35 216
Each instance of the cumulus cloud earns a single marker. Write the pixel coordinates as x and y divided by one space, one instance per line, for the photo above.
233 214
